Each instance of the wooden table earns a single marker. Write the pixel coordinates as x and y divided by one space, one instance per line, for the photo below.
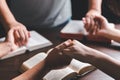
9 68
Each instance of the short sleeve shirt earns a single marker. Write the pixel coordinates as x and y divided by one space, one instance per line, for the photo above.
40 13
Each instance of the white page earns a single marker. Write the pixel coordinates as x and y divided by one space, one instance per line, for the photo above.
37 41
80 67
60 74
34 60
114 43
74 27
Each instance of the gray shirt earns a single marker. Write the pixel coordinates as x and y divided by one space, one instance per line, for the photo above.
41 13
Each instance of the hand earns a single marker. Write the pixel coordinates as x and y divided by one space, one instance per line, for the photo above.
11 39
103 27
78 51
20 33
55 60
88 19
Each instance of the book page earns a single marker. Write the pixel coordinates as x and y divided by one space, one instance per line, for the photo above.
114 43
19 51
33 61
80 67
37 41
60 74
74 27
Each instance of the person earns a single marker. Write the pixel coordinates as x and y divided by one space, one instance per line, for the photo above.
98 59
53 61
33 15
98 7
74 49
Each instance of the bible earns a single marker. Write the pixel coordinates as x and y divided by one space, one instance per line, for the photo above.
75 30
36 41
74 69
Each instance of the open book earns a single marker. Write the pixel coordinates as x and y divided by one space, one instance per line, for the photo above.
36 41
74 69
75 30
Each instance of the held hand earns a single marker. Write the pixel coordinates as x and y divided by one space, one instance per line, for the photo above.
11 39
21 34
103 27
55 60
87 20
100 25
78 51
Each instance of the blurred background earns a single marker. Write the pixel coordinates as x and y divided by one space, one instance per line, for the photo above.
80 7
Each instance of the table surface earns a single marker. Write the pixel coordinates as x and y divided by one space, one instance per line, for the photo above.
9 68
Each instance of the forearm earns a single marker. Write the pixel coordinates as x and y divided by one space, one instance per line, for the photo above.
37 72
113 34
95 5
105 63
6 15
5 48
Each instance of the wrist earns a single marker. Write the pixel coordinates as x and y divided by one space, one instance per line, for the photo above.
46 67
8 24
92 55
94 10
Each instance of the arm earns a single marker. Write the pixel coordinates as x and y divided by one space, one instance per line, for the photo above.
112 34
95 5
103 28
6 16
37 72
9 21
53 61
100 60
94 10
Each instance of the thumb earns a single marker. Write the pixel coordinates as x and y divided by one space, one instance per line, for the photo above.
10 36
100 18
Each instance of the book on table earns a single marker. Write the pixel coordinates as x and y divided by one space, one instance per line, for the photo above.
74 69
36 41
75 30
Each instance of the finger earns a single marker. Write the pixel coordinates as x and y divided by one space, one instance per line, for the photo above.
17 38
68 51
16 34
92 25
10 36
26 36
64 45
87 25
22 36
29 34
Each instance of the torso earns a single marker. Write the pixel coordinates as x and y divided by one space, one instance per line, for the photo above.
39 13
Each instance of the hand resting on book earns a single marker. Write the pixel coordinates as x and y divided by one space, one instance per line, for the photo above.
9 44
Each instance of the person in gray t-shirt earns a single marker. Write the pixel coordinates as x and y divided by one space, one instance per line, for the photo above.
33 14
